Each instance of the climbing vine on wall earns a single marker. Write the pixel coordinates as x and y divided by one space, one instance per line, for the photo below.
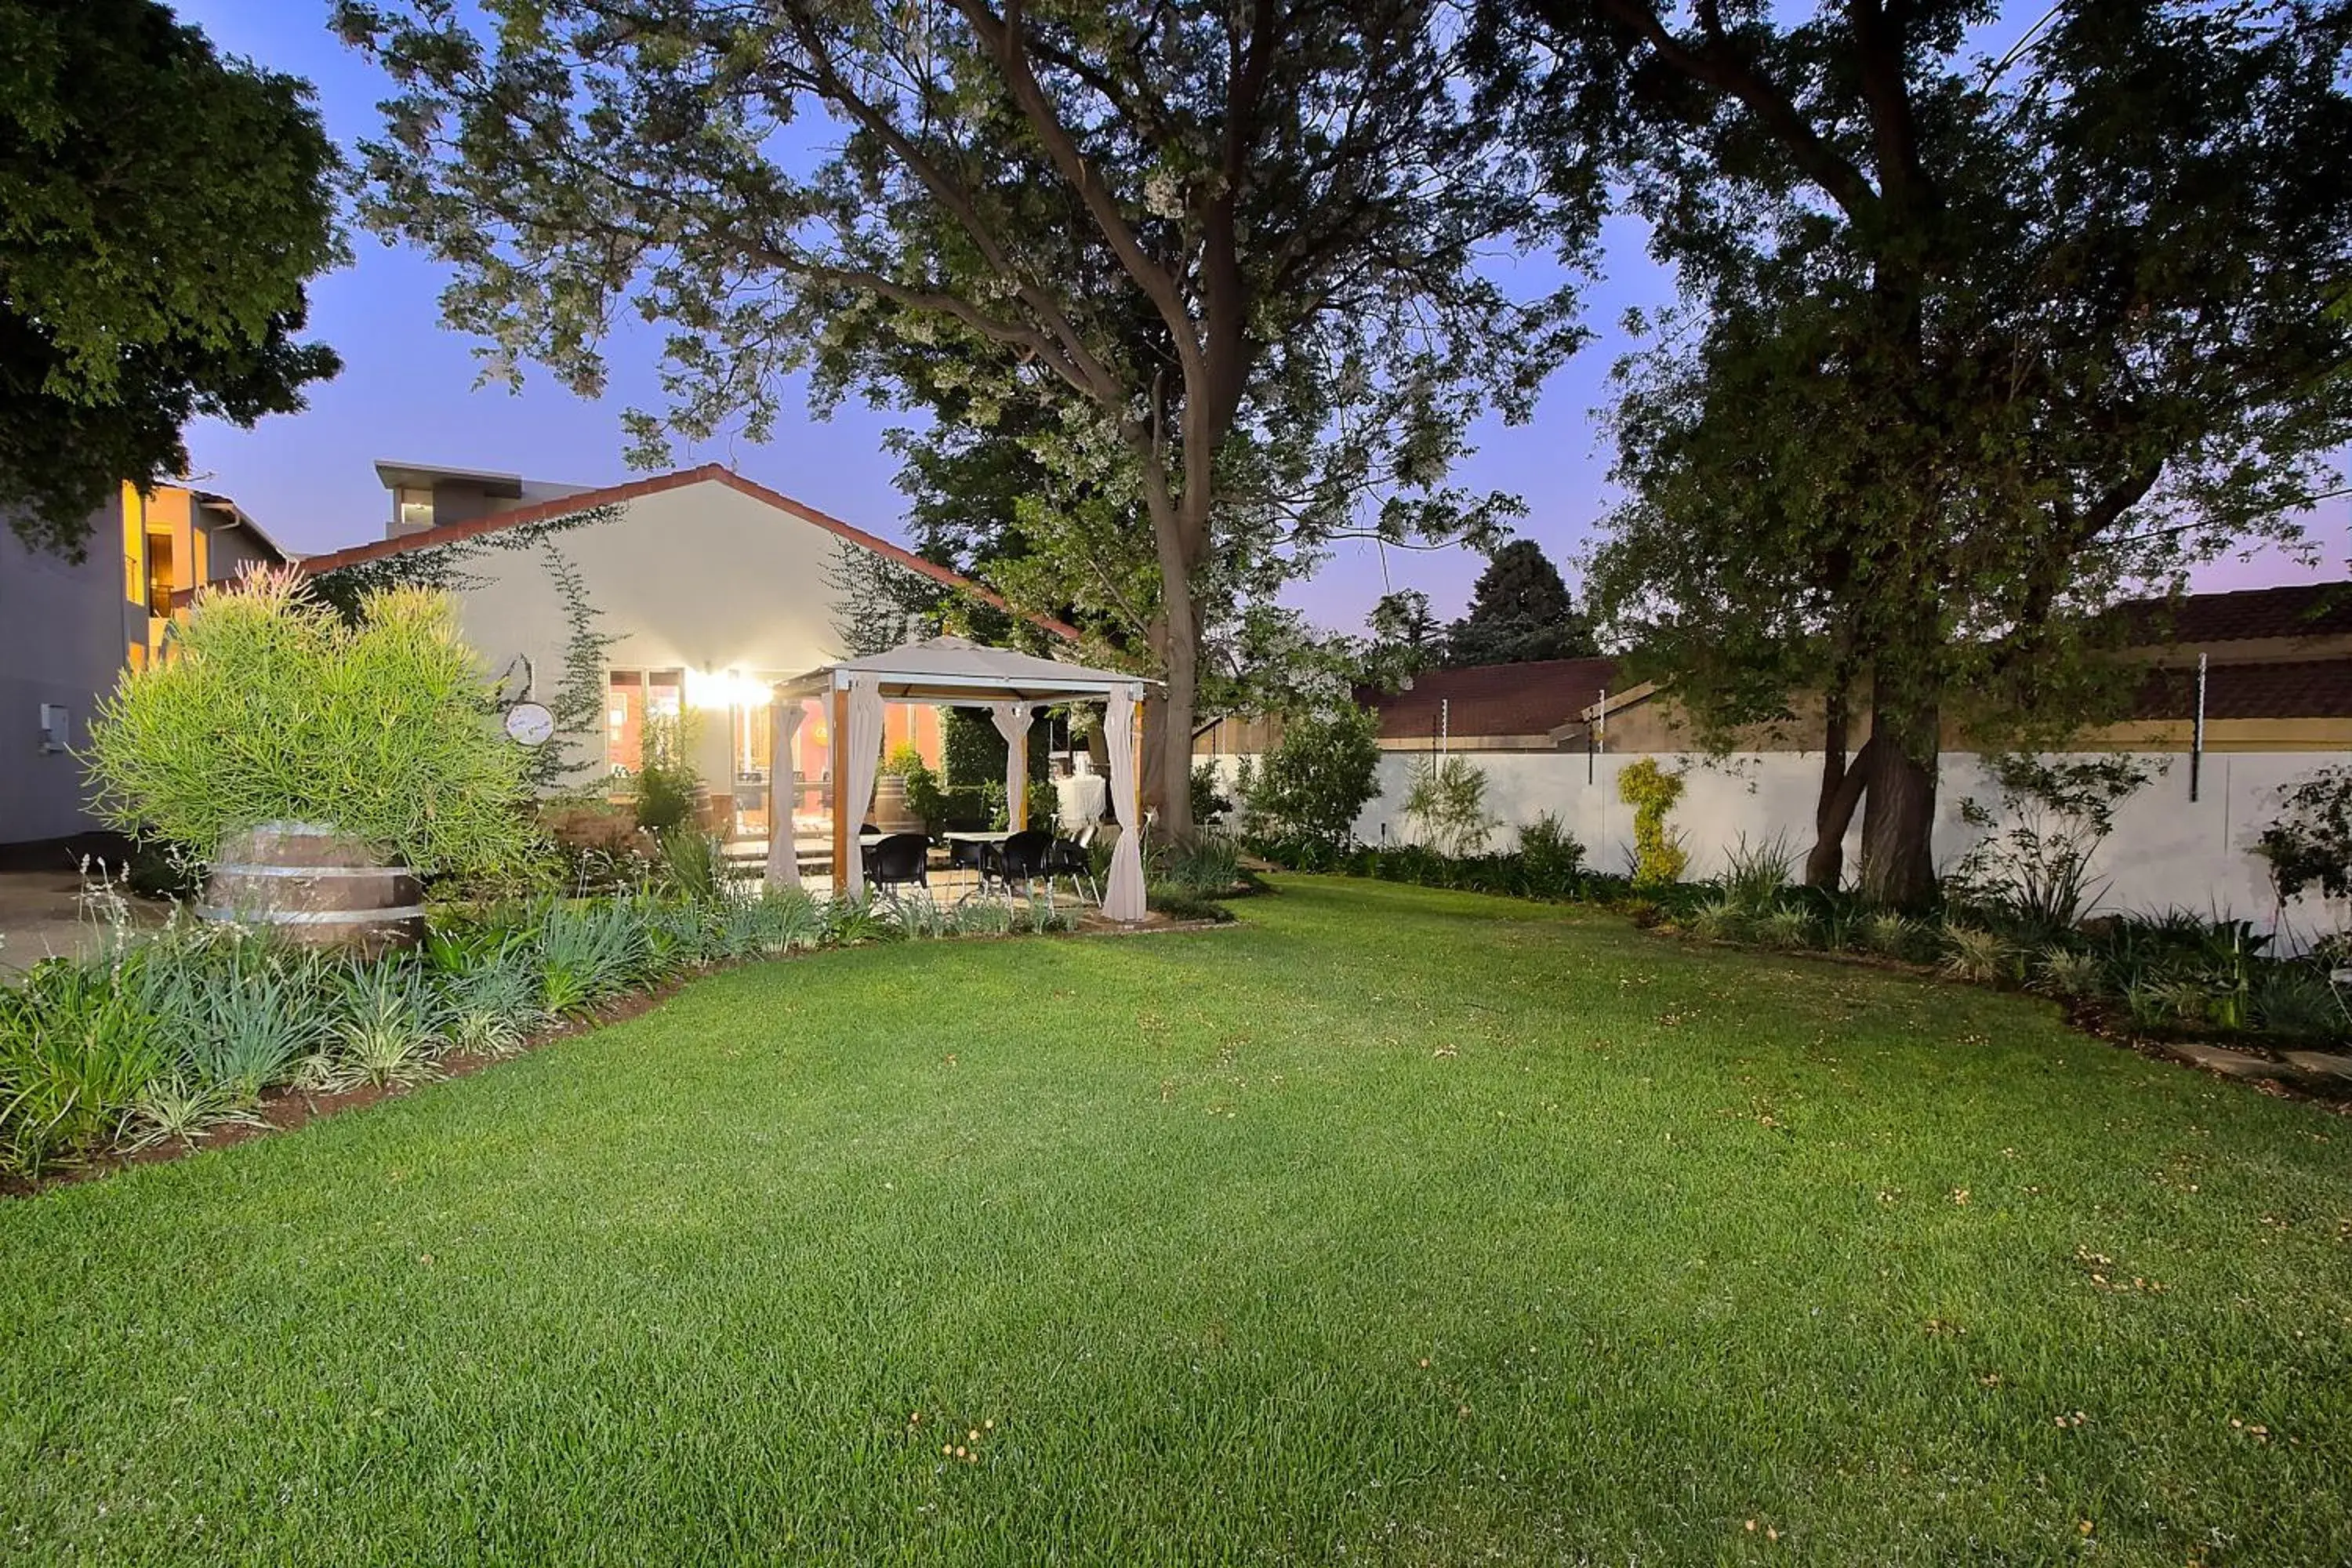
577 699
577 702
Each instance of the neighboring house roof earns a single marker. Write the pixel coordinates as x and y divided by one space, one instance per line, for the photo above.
1528 700
2298 610
239 518
615 495
394 474
2294 688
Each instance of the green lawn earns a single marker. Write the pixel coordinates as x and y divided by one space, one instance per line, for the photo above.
1388 1227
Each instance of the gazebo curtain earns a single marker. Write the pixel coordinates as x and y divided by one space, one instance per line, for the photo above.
860 763
1123 894
783 854
1012 720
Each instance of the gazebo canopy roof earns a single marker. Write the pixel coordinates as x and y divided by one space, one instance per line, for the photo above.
957 669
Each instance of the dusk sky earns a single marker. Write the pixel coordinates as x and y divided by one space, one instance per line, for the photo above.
407 391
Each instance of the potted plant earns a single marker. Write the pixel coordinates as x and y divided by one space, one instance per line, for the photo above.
320 766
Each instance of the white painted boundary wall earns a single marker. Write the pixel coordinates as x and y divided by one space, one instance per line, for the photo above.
2165 851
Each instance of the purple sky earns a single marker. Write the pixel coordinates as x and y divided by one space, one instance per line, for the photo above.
407 391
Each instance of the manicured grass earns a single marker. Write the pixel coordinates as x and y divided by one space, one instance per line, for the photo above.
1390 1226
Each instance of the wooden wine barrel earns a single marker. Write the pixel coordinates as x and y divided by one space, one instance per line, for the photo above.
314 887
890 813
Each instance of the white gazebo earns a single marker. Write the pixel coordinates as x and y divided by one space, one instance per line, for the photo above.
952 671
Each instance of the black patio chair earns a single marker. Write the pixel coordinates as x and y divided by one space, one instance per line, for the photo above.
898 860
1020 858
1067 858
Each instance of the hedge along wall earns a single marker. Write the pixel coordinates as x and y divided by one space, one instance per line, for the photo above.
2165 851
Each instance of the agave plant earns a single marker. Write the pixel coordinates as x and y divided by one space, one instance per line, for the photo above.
2297 999
1754 873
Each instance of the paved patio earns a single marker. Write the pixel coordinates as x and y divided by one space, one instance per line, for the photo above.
41 915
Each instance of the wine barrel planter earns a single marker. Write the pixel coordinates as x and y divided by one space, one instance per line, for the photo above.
890 812
314 887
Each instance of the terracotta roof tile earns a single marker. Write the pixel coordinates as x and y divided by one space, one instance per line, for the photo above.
2298 610
612 495
1494 699
2299 688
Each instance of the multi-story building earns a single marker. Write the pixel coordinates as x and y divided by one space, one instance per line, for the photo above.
69 628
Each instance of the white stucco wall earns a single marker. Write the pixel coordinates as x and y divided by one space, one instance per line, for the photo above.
2166 851
702 578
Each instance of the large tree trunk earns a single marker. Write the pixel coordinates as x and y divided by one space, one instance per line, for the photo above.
1833 809
1898 822
1167 776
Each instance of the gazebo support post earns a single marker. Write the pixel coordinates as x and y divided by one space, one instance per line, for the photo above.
842 827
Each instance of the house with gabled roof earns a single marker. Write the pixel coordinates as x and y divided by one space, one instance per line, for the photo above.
686 593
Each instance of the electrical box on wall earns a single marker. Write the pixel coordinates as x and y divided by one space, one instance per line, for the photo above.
57 726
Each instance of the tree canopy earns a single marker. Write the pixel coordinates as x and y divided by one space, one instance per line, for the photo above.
160 211
1230 253
1519 611
1966 346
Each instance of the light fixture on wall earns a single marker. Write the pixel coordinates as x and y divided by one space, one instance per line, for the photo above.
717 689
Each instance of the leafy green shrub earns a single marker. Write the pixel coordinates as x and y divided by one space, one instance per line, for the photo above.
1551 860
77 1047
1180 903
1659 857
272 708
2069 972
1447 802
2033 879
1724 920
1785 926
1754 874
1893 935
1212 863
2296 1000
1311 788
1210 802
668 785
1978 956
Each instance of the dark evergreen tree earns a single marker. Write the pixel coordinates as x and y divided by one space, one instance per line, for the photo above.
1519 611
